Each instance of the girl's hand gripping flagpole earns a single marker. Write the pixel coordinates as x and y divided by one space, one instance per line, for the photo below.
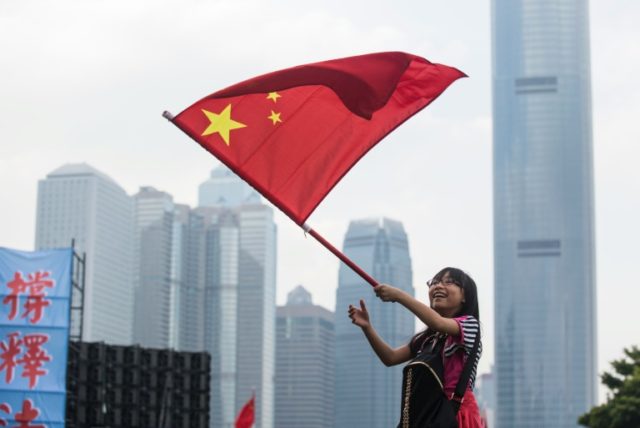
294 133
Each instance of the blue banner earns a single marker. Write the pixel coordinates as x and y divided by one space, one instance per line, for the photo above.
35 296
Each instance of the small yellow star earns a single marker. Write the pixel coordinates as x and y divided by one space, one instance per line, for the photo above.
275 117
273 96
221 123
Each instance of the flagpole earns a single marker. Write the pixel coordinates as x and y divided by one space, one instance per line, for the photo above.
346 260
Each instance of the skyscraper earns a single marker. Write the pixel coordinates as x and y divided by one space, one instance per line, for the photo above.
543 213
169 255
485 392
153 244
367 392
187 277
305 363
257 310
220 330
240 297
224 188
76 201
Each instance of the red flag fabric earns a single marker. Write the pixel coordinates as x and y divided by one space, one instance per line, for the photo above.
293 134
246 416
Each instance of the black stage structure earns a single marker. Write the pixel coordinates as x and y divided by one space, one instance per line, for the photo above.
112 386
130 386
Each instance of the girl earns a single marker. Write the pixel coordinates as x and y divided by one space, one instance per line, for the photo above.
452 322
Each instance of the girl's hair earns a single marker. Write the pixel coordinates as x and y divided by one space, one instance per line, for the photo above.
469 307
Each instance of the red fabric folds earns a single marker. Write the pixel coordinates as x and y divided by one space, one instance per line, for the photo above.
293 134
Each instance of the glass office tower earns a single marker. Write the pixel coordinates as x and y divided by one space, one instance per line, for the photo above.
76 201
543 213
367 392
305 363
240 297
153 244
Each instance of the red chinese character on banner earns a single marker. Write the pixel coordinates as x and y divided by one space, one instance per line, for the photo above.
10 351
5 408
36 284
34 358
28 414
35 304
17 286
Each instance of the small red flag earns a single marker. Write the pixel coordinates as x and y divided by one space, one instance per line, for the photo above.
293 134
246 416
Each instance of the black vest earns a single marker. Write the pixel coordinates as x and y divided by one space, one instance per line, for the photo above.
424 403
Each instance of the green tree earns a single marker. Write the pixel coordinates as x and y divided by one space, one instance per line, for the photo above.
622 409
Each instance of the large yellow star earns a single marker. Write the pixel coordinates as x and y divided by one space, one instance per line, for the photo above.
275 117
221 123
273 96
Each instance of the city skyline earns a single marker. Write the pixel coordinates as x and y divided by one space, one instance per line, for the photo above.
189 279
98 99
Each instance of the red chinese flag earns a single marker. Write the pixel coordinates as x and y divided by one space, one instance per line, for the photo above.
246 416
293 134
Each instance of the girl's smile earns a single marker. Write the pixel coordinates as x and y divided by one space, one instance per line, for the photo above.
446 296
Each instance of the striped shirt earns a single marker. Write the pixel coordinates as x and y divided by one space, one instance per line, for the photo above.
456 351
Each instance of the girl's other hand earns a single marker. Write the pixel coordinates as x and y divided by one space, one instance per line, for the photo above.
359 317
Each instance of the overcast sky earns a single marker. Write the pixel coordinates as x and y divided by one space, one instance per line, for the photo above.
87 81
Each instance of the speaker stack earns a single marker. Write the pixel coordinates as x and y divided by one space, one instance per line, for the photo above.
129 386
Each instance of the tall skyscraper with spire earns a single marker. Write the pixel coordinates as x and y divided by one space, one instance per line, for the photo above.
240 307
367 392
543 213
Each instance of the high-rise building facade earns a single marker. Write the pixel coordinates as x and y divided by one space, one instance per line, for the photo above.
239 326
543 213
305 363
187 278
485 392
169 270
78 202
153 255
368 393
225 189
220 329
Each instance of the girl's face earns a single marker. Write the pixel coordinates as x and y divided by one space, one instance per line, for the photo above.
446 296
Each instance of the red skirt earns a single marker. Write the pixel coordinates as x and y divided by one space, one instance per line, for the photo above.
469 414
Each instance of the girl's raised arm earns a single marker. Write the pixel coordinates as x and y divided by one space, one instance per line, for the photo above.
431 318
